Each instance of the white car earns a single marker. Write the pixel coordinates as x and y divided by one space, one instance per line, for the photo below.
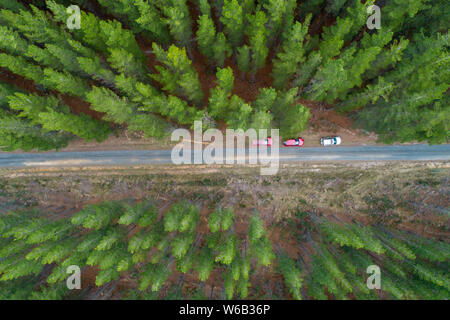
329 141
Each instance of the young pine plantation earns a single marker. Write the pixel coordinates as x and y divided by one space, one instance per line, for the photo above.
160 234
175 255
151 66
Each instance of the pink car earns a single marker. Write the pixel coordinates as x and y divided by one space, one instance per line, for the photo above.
263 142
294 142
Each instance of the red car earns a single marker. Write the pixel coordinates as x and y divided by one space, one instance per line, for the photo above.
294 142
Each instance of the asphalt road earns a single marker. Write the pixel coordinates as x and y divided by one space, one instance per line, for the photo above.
421 152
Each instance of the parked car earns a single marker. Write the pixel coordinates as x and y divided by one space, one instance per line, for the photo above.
329 141
263 142
294 142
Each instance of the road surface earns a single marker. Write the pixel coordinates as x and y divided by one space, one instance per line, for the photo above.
125 157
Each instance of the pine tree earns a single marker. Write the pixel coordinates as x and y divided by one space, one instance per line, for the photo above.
335 7
333 38
307 69
221 50
55 116
420 82
276 10
233 21
294 121
257 34
17 133
178 20
355 63
205 8
290 55
65 82
262 249
205 264
291 275
206 34
370 94
20 66
104 100
262 117
239 115
256 229
227 250
219 98
125 10
243 59
12 5
398 11
150 19
178 76
387 58
357 13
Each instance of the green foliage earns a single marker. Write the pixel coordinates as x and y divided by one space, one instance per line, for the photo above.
227 250
221 50
18 133
292 117
243 58
417 108
142 214
178 20
262 249
229 284
294 121
97 216
256 230
290 55
307 69
12 5
156 276
205 264
276 10
102 236
239 116
233 21
333 38
221 220
150 20
64 82
291 275
181 217
140 15
398 10
257 34
117 109
206 34
219 100
54 115
370 94
335 61
177 76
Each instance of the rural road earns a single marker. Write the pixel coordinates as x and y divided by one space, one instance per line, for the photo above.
104 158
